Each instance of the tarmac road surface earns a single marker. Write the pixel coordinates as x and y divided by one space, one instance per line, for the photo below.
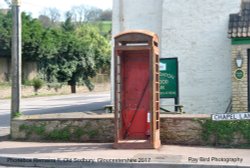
56 104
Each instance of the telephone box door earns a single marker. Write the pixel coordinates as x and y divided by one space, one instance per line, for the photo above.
135 100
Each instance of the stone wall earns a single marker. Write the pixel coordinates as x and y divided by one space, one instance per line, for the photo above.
240 87
4 70
29 70
182 130
175 129
88 129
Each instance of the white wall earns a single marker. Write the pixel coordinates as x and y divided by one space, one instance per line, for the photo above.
139 14
195 31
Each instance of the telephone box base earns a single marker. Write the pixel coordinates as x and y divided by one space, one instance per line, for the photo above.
136 144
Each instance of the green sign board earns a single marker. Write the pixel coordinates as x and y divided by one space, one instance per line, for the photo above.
239 74
169 78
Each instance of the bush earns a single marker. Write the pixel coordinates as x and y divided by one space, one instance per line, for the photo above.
28 82
224 132
55 86
37 83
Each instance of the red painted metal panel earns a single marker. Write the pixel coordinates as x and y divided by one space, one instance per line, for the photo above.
136 94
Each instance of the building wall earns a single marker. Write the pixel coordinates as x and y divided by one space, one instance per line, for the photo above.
139 14
240 87
196 32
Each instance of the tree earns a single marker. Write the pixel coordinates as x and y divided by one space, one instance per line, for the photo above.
45 21
32 34
78 13
53 14
64 54
99 45
82 52
92 14
89 14
68 26
106 15
5 34
49 54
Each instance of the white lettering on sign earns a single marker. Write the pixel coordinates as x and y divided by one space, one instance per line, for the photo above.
230 116
163 67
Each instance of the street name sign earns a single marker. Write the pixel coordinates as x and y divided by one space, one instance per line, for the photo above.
230 116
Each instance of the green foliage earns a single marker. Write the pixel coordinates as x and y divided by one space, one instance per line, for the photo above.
28 82
32 37
41 131
17 114
82 53
79 132
5 85
62 135
92 133
55 85
66 54
5 34
223 132
37 83
29 129
68 25
104 28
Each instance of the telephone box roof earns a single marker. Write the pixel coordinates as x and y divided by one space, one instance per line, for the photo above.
142 32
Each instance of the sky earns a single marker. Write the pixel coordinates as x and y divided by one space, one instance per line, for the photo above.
35 7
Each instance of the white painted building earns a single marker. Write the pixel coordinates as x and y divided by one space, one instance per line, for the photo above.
194 31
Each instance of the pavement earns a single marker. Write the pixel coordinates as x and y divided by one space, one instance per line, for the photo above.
41 154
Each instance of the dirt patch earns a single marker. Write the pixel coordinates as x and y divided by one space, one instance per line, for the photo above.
27 91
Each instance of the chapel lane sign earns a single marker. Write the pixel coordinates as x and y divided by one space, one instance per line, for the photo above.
230 116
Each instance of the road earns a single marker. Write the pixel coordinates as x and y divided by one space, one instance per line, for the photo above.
56 104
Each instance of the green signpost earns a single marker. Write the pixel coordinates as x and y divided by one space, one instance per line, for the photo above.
169 85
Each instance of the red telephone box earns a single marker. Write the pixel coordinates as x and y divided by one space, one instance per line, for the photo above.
137 121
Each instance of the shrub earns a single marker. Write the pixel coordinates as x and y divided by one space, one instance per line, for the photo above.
55 86
37 83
